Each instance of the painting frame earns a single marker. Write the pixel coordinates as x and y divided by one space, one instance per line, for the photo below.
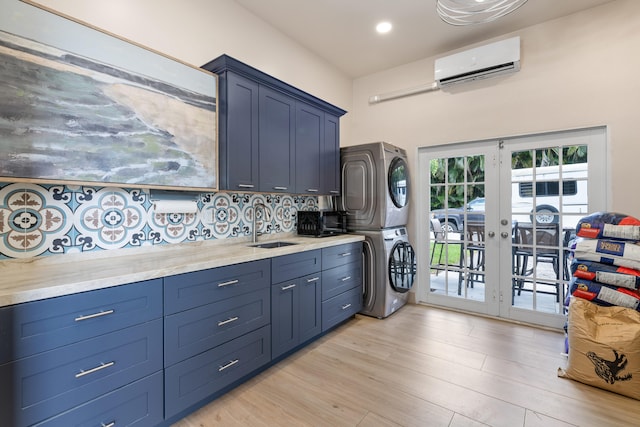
83 106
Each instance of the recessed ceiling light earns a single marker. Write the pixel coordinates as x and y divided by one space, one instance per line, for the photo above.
383 27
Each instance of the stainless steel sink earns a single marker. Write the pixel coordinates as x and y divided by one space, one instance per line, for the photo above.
271 245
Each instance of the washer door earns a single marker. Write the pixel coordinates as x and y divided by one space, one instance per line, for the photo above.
402 267
398 180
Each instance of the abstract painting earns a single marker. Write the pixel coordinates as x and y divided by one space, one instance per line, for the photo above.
78 117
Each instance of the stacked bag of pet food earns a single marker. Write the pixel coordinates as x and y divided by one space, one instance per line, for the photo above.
604 304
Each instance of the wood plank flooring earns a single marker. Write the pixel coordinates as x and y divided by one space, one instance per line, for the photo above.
422 366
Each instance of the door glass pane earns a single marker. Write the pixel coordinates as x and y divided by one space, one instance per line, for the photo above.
457 227
398 182
548 197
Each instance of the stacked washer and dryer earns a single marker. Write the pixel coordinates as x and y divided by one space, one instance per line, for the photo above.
375 196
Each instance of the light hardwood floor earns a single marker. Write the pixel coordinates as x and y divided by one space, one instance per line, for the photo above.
422 366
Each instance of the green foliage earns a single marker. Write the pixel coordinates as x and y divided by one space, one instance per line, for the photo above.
448 174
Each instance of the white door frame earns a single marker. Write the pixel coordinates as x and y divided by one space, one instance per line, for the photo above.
498 274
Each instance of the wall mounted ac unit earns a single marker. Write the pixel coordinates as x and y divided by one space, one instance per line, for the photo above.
482 62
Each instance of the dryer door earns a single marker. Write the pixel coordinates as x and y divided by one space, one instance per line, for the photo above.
402 267
399 182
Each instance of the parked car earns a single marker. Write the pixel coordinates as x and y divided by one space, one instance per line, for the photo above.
452 219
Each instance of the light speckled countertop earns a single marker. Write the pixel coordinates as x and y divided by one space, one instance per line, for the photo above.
24 280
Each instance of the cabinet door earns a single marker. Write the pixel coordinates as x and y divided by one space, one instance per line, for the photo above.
55 381
310 307
193 331
285 327
189 290
34 327
288 267
330 154
139 404
341 279
205 375
309 144
341 307
277 141
239 135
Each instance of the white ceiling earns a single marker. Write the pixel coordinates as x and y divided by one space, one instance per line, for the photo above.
343 31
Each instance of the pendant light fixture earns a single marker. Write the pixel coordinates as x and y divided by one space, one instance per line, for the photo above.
470 12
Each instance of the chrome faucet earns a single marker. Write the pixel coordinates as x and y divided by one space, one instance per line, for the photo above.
267 217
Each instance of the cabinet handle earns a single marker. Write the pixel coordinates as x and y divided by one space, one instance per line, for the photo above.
344 279
345 254
228 365
230 282
313 279
229 320
94 315
280 188
111 424
344 307
246 185
334 191
312 190
286 288
102 366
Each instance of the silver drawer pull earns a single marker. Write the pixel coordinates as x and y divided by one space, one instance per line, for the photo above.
345 254
102 366
230 282
334 191
344 279
94 315
228 365
246 185
229 320
286 288
313 279
344 307
280 188
111 424
312 190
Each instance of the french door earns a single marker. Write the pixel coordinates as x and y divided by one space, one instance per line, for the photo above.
496 219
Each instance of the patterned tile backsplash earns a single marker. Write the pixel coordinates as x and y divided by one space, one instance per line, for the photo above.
40 220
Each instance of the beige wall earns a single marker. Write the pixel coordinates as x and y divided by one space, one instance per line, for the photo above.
578 71
197 31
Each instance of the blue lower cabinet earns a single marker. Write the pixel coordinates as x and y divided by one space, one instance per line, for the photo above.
201 376
341 307
340 279
41 386
136 405
33 327
193 331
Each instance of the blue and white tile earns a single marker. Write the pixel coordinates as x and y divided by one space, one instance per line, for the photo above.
33 220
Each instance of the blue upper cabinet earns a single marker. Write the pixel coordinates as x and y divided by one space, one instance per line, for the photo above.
238 149
330 179
273 136
309 146
277 146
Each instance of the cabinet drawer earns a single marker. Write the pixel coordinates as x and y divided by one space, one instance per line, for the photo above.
339 308
300 264
185 291
193 331
340 279
57 380
197 378
341 254
136 405
34 327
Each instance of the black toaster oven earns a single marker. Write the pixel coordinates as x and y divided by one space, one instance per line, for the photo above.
321 223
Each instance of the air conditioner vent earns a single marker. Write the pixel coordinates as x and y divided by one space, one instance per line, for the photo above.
479 63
